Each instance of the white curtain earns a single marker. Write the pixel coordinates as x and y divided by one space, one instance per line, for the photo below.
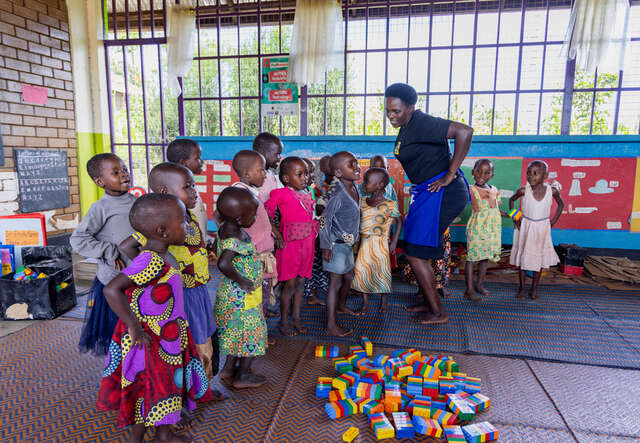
598 34
317 41
181 28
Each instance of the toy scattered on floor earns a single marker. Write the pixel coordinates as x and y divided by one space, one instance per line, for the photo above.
327 351
424 394
351 434
480 432
427 426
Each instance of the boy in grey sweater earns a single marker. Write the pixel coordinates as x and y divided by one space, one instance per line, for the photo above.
97 236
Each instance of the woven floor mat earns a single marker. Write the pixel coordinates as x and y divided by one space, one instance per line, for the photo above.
592 399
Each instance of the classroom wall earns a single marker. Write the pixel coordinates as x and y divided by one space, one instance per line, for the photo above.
35 51
598 177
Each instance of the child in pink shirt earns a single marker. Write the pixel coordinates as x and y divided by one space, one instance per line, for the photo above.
295 258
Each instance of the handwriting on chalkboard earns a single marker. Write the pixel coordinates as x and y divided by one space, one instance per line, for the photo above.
43 179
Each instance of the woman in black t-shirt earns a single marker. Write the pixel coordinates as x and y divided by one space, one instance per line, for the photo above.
440 192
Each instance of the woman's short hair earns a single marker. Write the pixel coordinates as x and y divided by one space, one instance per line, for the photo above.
402 91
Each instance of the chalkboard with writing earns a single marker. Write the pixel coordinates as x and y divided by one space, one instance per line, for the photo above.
43 179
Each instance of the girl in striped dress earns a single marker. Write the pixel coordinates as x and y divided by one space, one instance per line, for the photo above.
373 267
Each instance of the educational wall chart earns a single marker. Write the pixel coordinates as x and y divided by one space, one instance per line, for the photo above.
43 179
278 96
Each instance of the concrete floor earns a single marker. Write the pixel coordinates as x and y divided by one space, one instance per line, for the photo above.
9 327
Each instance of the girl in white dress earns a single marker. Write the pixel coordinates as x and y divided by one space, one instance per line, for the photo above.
532 246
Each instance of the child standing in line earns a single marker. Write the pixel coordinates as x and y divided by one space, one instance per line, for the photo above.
270 146
372 273
298 228
319 279
340 226
191 258
97 236
380 161
484 228
250 167
188 153
532 246
152 369
243 331
326 187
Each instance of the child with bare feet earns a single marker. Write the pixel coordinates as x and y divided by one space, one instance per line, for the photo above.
532 248
250 167
298 229
152 367
339 231
319 279
243 331
484 228
373 268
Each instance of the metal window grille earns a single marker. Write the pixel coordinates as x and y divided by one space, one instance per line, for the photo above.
493 64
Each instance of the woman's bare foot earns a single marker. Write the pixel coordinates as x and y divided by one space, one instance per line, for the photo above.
286 330
313 300
297 323
384 305
533 294
337 331
480 289
522 293
417 307
431 319
473 296
249 380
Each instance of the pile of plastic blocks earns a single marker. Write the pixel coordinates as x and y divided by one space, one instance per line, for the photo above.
422 394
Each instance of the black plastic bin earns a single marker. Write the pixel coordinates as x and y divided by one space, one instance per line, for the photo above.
38 298
571 255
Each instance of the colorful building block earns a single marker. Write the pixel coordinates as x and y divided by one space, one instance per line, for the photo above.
392 397
427 426
454 434
327 351
479 402
366 344
351 434
425 370
323 387
345 381
380 360
391 365
452 366
336 395
368 406
342 365
438 404
341 409
480 432
443 417
461 407
381 426
446 385
414 385
403 424
403 370
411 356
367 390
374 373
473 385
459 380
421 406
430 387
357 350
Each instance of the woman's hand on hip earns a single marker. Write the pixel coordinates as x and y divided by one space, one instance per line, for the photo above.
442 182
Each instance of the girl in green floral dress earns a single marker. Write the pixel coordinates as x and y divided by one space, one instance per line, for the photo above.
484 228
241 325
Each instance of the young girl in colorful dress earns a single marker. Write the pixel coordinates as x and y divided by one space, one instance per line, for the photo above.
484 228
242 329
298 228
152 368
372 272
532 248
191 258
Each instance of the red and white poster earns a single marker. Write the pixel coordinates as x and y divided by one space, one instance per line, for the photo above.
597 192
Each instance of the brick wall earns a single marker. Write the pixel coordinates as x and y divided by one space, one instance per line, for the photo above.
35 50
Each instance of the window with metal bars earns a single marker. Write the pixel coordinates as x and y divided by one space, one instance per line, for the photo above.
493 64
